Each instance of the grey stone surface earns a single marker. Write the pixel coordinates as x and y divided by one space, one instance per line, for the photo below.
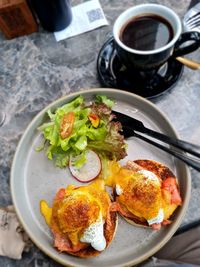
35 70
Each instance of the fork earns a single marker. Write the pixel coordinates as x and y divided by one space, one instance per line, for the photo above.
191 20
131 126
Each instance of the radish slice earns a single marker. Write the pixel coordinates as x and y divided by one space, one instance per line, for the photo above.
89 171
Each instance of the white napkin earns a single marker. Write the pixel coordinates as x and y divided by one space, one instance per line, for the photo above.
13 239
85 17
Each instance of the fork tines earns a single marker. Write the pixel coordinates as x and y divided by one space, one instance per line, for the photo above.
194 20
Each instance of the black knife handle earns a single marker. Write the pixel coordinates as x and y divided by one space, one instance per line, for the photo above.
130 124
185 158
183 145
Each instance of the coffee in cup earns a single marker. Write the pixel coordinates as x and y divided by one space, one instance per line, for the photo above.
147 35
147 32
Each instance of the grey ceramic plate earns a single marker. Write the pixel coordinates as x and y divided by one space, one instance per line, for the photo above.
33 178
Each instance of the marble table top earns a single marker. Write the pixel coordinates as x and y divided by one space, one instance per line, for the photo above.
36 70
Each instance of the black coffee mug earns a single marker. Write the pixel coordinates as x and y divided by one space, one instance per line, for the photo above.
151 58
54 15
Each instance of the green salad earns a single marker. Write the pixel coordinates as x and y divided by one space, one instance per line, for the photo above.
75 128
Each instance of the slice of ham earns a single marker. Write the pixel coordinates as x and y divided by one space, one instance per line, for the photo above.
170 185
127 214
157 226
63 243
131 165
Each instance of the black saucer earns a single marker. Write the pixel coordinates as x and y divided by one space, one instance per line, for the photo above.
115 75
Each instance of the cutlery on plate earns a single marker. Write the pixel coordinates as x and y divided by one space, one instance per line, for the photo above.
191 22
131 126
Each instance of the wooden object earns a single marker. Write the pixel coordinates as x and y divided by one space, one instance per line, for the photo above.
189 63
16 18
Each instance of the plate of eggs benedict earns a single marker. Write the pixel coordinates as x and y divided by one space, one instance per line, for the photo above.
99 210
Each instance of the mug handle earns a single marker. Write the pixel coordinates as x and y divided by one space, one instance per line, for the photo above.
187 36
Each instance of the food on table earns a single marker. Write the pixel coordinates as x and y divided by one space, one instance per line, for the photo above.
76 128
146 192
82 219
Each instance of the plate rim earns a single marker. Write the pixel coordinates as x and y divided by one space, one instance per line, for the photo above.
175 224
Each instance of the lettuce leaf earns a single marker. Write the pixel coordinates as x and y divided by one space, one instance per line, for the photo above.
103 99
106 139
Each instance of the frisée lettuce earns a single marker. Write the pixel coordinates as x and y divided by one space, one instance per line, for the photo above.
75 127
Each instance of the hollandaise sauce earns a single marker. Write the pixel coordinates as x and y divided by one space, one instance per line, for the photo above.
138 190
46 211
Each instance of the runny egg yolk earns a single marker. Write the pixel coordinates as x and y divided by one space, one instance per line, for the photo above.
112 170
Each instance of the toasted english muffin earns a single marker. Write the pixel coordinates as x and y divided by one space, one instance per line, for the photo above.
147 193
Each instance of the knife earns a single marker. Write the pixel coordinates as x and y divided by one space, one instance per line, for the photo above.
131 126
